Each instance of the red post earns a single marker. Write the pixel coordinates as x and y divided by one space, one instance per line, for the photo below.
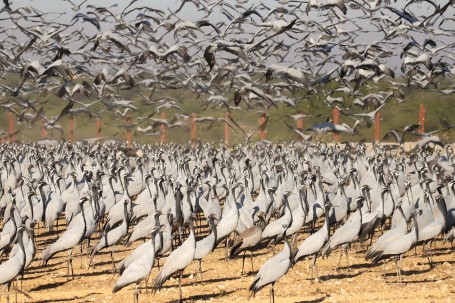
43 131
11 127
129 137
226 130
421 119
336 120
262 126
98 127
299 127
71 128
193 129
376 127
163 128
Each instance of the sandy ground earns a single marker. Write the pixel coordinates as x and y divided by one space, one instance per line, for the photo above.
223 282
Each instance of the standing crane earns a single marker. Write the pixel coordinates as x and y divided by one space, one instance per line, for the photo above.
69 239
138 270
273 269
177 261
249 240
14 266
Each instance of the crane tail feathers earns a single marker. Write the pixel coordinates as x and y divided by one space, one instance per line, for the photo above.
159 281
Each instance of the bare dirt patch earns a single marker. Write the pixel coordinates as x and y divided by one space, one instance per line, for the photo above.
222 280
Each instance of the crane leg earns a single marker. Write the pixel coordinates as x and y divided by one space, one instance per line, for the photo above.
243 262
70 264
200 268
112 256
180 286
383 271
430 255
90 263
56 228
1 291
136 293
314 268
7 294
22 278
272 293
146 283
339 260
347 257
251 256
81 253
226 249
396 265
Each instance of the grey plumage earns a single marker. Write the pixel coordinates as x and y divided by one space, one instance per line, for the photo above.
399 246
312 245
248 240
113 236
69 239
273 269
11 268
346 233
207 244
177 261
138 270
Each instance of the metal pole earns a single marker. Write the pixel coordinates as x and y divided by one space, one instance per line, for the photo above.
336 120
226 130
129 138
421 120
193 129
11 127
71 128
299 127
163 129
98 127
262 126
43 131
376 127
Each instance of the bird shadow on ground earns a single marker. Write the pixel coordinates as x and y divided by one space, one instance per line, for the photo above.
95 273
29 277
216 280
436 263
48 286
197 282
44 268
437 253
317 300
102 263
248 274
208 297
416 271
411 272
46 242
68 299
422 281
339 276
361 266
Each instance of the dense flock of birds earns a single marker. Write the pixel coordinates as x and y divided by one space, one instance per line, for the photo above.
251 196
232 54
235 55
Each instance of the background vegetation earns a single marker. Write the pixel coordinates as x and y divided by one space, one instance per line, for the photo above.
439 110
